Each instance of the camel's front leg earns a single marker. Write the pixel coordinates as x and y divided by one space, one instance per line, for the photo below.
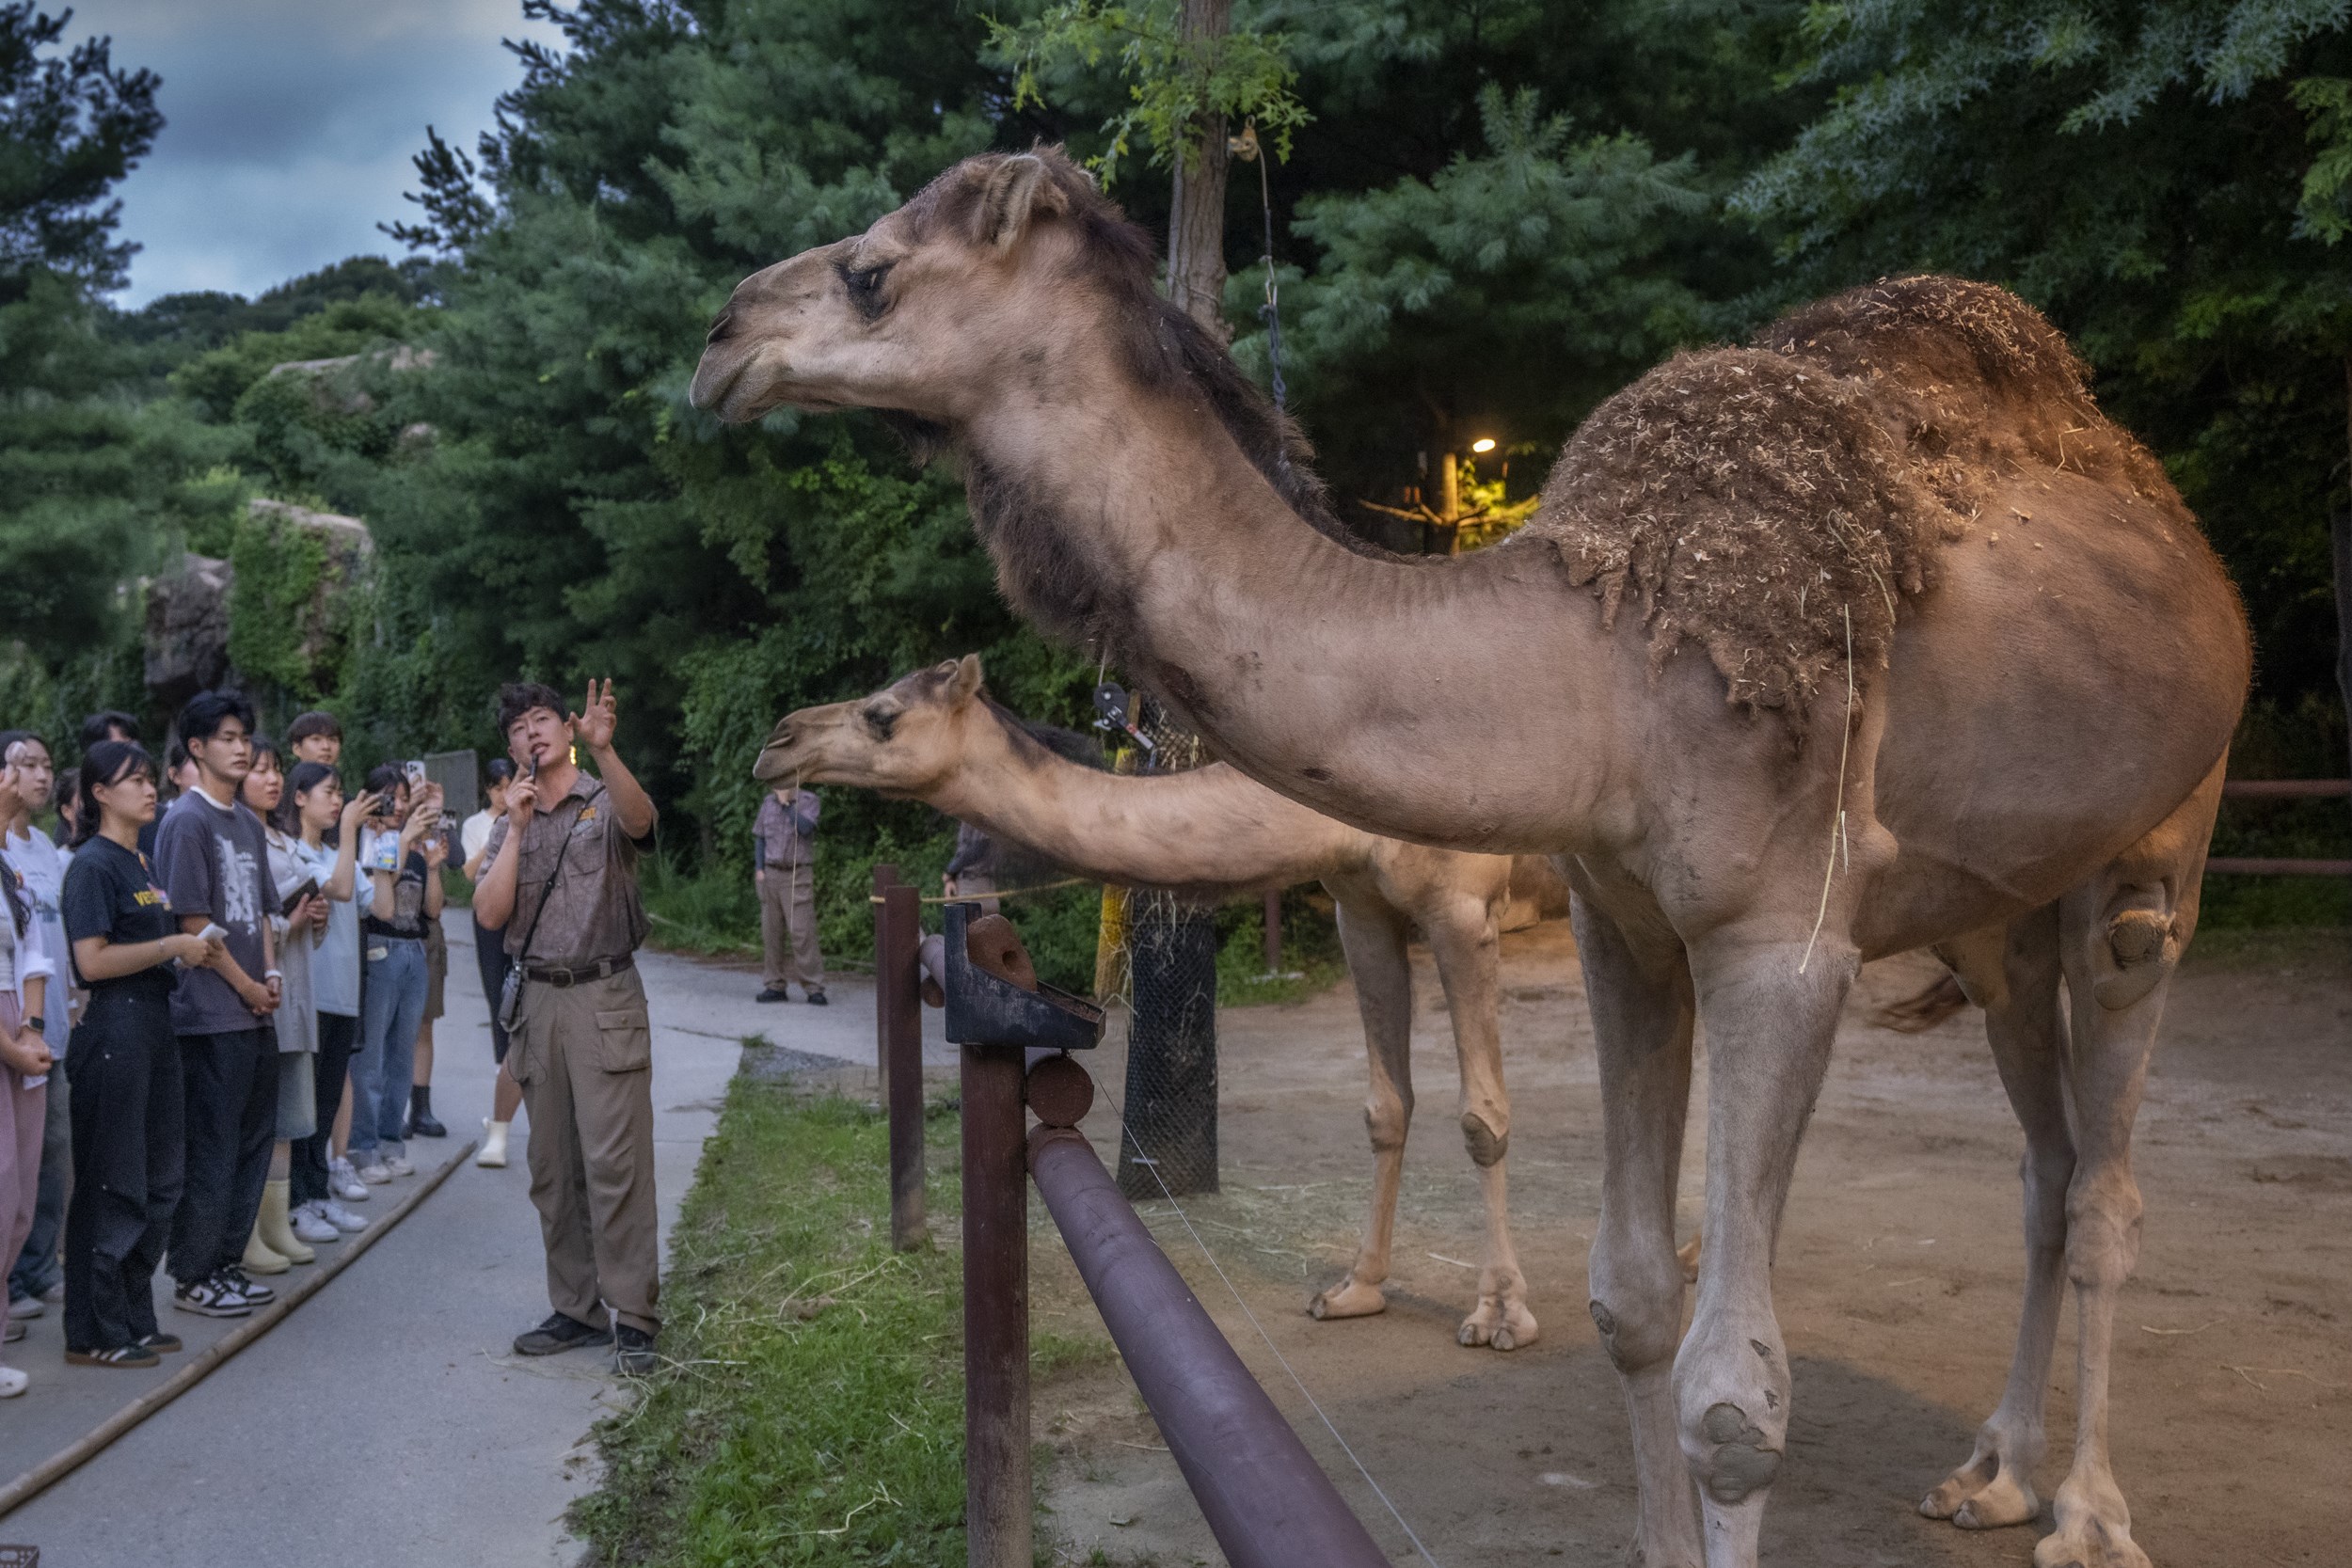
1769 1028
2013 975
1639 989
1464 940
1373 936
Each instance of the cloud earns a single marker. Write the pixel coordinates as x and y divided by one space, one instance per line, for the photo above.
290 125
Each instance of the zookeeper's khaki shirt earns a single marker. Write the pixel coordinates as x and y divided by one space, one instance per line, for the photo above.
593 910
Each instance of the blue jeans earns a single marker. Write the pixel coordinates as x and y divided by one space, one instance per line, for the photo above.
391 1007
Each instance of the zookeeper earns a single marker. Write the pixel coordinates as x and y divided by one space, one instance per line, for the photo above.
562 882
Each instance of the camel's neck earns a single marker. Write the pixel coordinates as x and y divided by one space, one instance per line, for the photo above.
1417 699
1207 829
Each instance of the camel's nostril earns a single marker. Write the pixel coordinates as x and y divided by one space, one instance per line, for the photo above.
724 328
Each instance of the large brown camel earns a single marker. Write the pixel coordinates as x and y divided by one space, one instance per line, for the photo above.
935 735
1875 634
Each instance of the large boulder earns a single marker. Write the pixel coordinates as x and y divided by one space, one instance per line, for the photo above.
186 634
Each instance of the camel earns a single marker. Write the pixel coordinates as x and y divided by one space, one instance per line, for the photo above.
1874 633
935 735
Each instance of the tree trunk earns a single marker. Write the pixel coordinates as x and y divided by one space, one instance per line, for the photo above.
2342 528
1196 222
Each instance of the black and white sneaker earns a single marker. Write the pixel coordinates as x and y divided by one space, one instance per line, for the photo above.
212 1298
255 1293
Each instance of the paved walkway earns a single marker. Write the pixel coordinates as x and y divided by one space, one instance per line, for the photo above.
385 1423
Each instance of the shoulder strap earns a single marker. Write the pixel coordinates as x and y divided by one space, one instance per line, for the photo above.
545 888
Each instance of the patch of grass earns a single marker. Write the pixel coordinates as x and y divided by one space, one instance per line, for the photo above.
710 912
810 1407
1312 960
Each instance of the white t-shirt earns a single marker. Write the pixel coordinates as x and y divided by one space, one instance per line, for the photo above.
475 832
42 863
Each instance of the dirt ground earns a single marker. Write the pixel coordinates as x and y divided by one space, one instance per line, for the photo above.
1898 1286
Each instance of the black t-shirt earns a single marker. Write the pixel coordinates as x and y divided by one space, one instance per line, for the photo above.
111 893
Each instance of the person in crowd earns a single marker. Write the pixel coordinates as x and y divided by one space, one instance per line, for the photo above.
61 835
562 883
401 853
326 831
25 1060
280 1237
421 1122
971 870
315 737
783 856
125 1062
39 865
490 959
216 866
114 725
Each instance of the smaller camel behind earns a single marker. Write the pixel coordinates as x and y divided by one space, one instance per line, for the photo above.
935 737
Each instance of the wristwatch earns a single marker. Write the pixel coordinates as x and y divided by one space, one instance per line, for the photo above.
37 1024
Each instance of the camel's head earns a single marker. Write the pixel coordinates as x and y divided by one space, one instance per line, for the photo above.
902 741
934 307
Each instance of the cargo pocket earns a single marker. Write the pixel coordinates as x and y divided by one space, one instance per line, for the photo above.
624 1040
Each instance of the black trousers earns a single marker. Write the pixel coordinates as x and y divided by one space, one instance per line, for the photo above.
490 960
339 1037
230 1092
123 1062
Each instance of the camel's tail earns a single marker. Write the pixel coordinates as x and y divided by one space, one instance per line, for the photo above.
1923 1009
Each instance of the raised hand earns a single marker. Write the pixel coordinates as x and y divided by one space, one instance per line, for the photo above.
598 714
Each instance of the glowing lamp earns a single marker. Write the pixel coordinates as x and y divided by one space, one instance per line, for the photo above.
1485 443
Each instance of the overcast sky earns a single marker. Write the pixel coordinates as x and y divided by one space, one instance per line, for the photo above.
290 124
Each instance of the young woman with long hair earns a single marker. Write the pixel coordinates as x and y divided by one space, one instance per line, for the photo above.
326 829
276 1240
26 968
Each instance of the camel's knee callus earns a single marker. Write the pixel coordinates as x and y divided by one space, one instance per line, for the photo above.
1487 1146
1737 1461
2142 946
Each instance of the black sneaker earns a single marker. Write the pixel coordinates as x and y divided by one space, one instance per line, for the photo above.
160 1343
817 998
120 1355
255 1293
772 994
561 1331
212 1298
632 1351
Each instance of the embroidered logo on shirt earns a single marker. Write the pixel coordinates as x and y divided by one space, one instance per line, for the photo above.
587 814
152 898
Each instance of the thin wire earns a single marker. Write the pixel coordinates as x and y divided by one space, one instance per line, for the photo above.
997 893
1153 1166
1837 825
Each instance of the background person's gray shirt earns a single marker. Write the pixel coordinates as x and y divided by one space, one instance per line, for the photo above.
214 860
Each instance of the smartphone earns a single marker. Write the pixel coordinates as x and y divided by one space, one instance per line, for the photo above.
213 931
415 770
309 889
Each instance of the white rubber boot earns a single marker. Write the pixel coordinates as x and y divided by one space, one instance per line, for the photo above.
493 1151
262 1258
274 1228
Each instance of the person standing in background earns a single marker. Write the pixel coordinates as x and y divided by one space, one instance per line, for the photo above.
37 1272
398 852
972 873
421 1123
115 724
25 1058
278 1237
490 960
124 1060
215 867
783 852
315 737
326 829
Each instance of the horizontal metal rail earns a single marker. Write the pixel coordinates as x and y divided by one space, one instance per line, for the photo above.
1264 1499
2238 865
2285 789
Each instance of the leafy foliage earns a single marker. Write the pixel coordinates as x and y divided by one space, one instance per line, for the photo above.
70 126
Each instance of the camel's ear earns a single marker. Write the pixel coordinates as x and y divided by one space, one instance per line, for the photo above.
967 679
1017 190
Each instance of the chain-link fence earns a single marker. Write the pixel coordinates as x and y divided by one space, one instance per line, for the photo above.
1171 1027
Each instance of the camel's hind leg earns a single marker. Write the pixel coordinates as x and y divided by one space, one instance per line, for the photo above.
1466 943
1373 937
1638 985
2013 975
2120 936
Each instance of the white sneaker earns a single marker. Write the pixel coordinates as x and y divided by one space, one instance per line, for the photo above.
376 1173
341 1218
312 1226
26 1306
398 1164
344 1183
12 1383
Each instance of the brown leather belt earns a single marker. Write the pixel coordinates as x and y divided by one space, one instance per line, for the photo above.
601 970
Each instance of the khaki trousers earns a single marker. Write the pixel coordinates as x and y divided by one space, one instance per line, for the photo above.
583 1056
787 929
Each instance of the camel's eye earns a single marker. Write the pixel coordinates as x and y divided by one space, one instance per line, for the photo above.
881 722
864 286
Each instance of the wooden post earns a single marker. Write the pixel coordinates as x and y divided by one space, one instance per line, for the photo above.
885 878
2342 530
898 1007
998 1499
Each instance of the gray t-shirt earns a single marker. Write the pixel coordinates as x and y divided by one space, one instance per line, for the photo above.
214 860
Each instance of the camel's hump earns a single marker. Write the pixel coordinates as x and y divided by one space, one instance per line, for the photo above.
1775 503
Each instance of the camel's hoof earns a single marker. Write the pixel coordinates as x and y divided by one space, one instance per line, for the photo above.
1347 1299
1497 1326
1973 1502
2089 1544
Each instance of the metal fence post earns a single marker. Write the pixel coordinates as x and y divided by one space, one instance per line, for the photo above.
998 1501
898 1005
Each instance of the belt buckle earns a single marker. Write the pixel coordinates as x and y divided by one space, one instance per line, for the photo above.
562 978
